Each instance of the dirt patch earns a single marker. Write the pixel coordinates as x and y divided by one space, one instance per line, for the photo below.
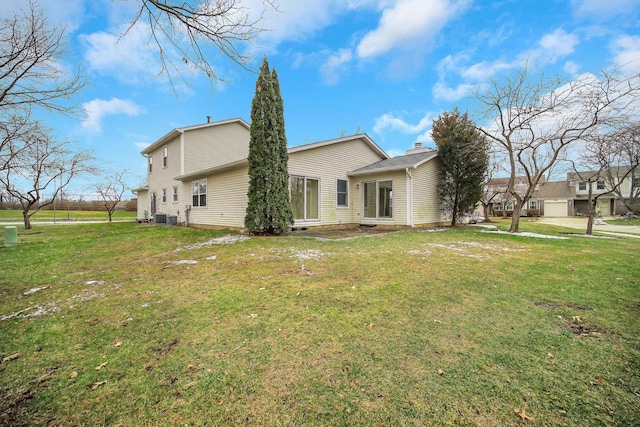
584 330
341 233
552 305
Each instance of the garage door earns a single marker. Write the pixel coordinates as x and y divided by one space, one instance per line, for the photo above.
555 208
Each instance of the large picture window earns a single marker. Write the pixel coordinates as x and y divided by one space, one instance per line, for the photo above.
199 193
305 198
378 199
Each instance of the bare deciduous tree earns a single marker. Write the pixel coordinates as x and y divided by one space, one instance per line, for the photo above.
612 158
39 164
534 122
31 71
184 32
112 189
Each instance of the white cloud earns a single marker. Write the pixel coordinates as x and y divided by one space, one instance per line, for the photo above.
602 10
446 93
553 46
335 64
550 48
131 59
389 122
627 54
97 109
406 23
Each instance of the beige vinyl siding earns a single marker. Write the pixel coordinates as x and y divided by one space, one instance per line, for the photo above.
399 198
426 202
328 163
214 146
143 205
162 177
226 200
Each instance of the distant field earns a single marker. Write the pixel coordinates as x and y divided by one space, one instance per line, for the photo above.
48 215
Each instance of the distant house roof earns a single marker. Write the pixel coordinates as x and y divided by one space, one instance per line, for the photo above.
618 171
555 190
501 182
177 131
396 163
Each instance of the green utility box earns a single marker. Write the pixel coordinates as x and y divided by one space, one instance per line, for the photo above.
10 236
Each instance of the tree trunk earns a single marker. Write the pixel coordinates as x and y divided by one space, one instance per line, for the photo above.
485 211
515 218
589 231
27 219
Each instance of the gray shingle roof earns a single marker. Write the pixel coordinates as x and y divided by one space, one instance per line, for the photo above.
396 163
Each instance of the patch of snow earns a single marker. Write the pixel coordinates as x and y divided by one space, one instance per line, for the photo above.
34 290
302 254
212 257
180 262
527 234
224 240
94 282
433 230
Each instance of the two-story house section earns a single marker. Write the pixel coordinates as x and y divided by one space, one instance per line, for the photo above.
187 151
198 176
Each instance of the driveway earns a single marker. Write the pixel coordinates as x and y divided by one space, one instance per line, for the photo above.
599 225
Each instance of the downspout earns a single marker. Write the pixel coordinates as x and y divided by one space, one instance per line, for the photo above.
409 198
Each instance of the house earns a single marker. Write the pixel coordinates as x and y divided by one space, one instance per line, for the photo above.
198 176
570 197
503 203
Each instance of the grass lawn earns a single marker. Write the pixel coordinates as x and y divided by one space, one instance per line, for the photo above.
7 215
133 325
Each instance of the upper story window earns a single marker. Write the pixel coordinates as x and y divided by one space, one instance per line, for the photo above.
199 193
342 193
582 186
600 185
636 182
150 164
165 156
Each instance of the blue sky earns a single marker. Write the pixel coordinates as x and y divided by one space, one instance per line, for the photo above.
383 67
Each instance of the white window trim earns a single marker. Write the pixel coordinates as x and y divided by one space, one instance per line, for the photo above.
165 156
206 193
306 220
345 206
393 208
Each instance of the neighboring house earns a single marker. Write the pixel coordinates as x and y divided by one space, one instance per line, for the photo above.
570 197
198 175
503 203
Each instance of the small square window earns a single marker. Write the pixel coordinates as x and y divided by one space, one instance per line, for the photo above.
600 185
582 186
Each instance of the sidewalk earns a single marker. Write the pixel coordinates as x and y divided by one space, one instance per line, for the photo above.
599 225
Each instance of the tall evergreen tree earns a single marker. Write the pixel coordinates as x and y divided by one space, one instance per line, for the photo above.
464 153
269 209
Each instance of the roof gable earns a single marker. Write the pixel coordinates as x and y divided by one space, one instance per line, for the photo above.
177 131
362 136
396 163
